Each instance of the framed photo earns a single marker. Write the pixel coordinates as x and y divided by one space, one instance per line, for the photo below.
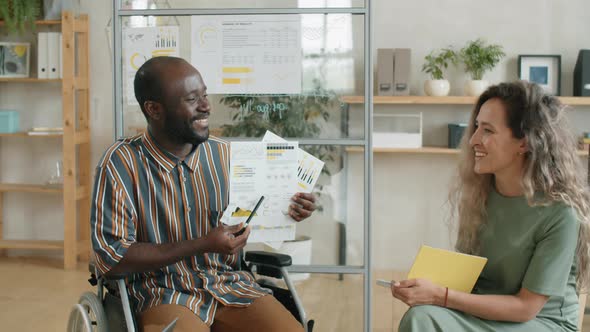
14 59
544 70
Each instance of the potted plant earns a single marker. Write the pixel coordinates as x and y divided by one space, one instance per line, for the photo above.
19 15
434 65
478 59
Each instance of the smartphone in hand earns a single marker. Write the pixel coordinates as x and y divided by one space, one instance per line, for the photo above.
384 283
241 231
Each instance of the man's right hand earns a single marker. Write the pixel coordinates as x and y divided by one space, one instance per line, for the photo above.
222 240
142 257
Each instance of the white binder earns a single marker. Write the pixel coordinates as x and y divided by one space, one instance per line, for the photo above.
53 55
60 59
42 55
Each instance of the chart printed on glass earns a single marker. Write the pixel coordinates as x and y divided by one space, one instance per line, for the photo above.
248 53
142 44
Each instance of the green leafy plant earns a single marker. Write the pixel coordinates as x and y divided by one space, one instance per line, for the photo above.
435 63
20 15
480 58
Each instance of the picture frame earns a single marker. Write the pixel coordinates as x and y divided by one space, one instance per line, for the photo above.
15 59
544 70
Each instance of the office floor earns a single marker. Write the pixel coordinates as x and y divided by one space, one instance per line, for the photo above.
36 295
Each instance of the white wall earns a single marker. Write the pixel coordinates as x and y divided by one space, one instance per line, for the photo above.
410 190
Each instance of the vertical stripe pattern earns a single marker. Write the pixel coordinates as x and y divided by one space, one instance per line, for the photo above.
145 194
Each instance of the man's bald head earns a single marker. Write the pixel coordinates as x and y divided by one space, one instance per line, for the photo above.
148 83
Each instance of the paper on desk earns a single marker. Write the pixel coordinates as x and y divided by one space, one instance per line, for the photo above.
257 169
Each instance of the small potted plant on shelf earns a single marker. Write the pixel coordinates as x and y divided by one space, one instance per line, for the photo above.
434 65
478 59
19 15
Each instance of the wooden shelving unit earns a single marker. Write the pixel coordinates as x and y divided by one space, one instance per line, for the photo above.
75 141
447 100
423 150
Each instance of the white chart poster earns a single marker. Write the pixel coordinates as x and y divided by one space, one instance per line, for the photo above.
263 169
248 53
141 44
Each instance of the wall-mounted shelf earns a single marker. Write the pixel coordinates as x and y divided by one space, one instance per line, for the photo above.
447 100
423 150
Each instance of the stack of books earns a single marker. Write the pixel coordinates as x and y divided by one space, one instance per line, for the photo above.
45 131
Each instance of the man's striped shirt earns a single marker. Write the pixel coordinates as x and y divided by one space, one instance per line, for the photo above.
145 194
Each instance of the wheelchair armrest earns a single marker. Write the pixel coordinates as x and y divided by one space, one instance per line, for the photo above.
268 258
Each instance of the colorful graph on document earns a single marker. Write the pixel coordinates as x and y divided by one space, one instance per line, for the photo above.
308 171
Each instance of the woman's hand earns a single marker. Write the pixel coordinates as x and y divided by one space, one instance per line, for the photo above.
418 292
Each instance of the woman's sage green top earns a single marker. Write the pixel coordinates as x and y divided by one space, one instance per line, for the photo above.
527 247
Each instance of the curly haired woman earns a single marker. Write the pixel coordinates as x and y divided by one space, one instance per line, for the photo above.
522 201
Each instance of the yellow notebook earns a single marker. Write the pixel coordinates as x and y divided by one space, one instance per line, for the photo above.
447 268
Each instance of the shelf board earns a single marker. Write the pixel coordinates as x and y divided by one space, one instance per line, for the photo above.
31 244
29 79
41 22
431 149
30 188
409 100
26 134
423 150
447 100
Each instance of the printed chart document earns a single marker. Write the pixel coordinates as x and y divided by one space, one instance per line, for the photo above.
142 44
309 167
263 169
248 53
447 268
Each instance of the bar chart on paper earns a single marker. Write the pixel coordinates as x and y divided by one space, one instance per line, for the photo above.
308 171
309 167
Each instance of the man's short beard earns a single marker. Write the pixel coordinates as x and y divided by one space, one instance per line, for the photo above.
184 134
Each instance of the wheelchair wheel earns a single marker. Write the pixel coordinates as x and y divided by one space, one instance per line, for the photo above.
88 313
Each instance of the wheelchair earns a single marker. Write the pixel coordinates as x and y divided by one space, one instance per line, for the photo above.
109 310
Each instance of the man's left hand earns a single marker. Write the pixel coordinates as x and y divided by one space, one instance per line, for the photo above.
302 207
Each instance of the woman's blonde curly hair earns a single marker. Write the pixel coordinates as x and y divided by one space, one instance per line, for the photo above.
552 166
